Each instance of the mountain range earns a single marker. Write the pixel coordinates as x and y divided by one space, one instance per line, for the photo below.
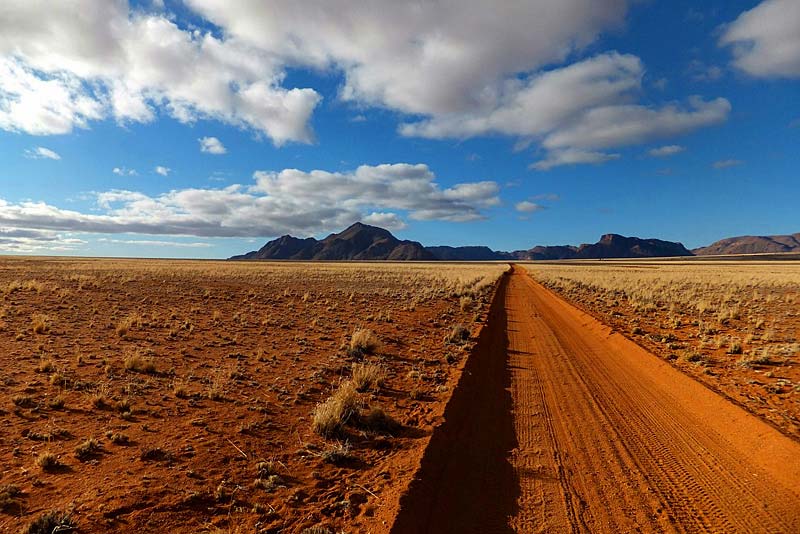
364 242
750 244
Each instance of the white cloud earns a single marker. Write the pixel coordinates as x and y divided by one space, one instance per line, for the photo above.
542 103
572 156
726 163
59 70
577 109
124 171
527 206
666 151
618 125
212 145
289 201
766 39
28 241
427 58
163 171
41 152
390 221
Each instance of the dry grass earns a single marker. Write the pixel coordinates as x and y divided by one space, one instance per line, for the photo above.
329 417
86 450
368 376
700 299
458 334
364 341
47 461
139 364
40 323
51 522
9 495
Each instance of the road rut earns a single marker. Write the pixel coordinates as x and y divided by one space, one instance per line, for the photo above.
561 425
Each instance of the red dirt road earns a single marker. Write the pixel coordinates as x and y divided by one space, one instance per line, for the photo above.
558 424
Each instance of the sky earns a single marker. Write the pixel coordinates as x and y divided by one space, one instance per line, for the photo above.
204 128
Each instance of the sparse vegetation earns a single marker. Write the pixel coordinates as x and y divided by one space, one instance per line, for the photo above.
9 495
458 334
363 341
51 522
367 376
330 416
139 364
86 450
48 461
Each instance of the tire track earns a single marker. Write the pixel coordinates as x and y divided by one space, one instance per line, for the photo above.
585 431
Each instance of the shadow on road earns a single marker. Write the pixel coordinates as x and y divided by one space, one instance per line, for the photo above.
466 482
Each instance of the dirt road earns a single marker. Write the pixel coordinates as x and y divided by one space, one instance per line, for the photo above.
560 425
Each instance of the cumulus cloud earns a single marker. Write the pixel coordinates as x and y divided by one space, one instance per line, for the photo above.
527 206
577 109
766 39
427 58
212 145
59 71
726 163
163 171
41 152
618 125
276 203
666 151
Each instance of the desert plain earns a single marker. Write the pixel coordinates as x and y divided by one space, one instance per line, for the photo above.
313 398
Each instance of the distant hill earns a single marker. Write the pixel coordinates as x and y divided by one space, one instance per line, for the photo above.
749 244
357 242
446 253
365 242
617 246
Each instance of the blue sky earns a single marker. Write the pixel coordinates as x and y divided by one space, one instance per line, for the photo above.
204 128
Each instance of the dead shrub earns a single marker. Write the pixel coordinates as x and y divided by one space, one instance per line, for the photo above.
51 522
459 334
363 341
367 376
330 416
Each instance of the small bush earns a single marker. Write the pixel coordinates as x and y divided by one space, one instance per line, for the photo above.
50 523
363 341
367 375
337 453
270 483
87 450
330 416
117 438
378 420
8 496
136 363
23 401
266 468
40 323
56 403
459 334
47 461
